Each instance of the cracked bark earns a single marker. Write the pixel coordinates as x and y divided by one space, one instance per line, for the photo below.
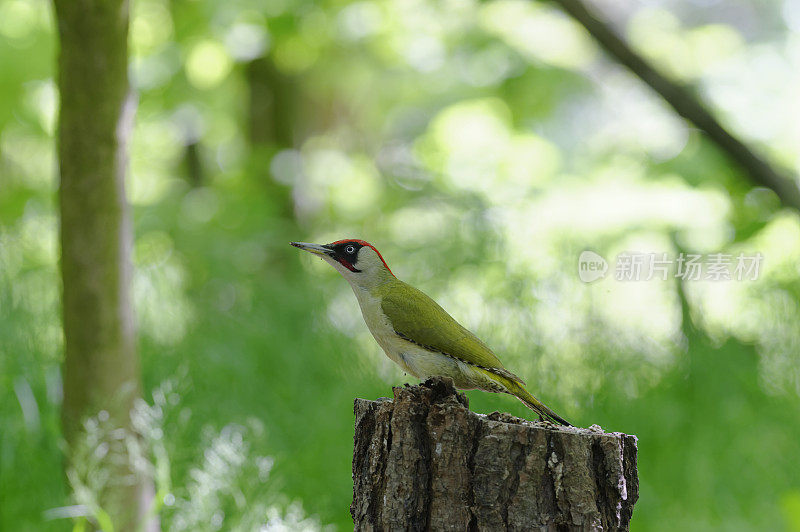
424 461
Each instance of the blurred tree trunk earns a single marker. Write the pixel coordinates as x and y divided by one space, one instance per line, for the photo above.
271 127
424 461
272 109
195 173
101 366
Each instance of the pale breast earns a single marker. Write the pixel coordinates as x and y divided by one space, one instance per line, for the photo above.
411 358
383 332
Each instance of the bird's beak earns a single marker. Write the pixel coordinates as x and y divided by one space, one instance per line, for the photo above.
316 249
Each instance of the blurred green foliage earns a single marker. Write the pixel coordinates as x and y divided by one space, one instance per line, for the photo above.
481 147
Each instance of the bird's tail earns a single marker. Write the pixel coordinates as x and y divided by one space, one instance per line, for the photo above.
519 391
515 387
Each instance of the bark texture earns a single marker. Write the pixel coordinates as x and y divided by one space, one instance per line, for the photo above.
424 461
101 366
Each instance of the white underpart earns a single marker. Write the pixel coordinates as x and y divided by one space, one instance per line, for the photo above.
413 359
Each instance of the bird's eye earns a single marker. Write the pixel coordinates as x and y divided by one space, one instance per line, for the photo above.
350 249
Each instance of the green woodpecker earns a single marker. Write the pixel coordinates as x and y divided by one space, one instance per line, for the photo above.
414 331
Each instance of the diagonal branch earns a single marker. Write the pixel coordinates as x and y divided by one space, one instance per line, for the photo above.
680 98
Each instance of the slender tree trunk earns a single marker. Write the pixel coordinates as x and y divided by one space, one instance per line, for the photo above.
271 127
101 366
424 461
272 94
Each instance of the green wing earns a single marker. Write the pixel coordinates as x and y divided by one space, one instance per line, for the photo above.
420 320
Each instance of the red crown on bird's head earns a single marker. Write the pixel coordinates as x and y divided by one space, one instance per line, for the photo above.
362 243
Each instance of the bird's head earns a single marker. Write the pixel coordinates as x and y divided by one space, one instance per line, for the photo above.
358 261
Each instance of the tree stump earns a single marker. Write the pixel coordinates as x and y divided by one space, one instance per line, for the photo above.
424 461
